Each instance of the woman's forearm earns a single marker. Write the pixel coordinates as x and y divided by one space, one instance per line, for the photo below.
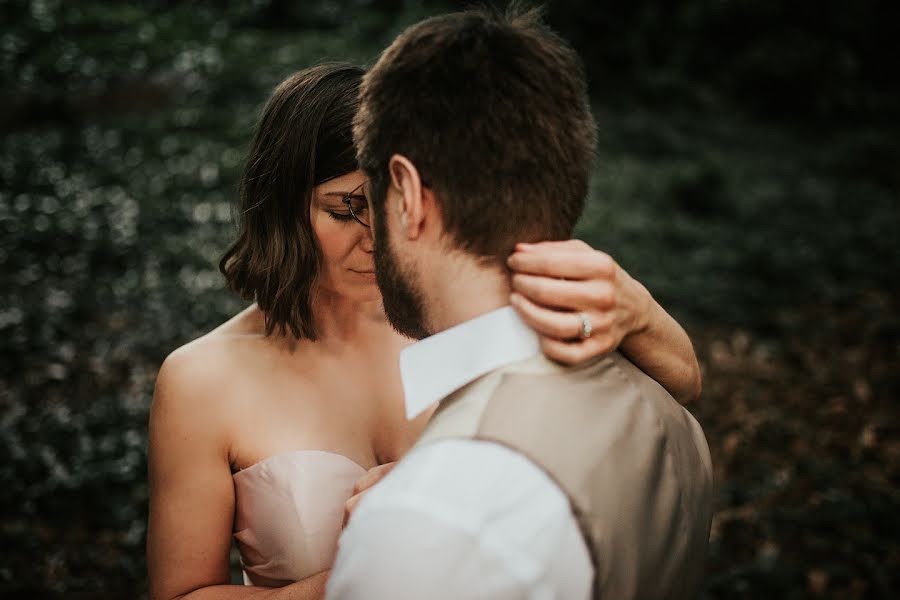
310 588
663 350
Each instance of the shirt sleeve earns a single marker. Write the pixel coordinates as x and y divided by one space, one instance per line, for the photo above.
457 565
462 519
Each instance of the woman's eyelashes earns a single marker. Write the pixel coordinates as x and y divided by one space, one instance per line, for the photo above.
339 216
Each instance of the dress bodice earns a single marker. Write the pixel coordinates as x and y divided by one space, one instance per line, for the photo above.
288 513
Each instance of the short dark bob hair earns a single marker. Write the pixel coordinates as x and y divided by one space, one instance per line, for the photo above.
304 138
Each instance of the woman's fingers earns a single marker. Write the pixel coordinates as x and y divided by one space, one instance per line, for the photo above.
559 280
560 332
546 322
349 507
372 476
568 245
575 352
572 259
361 487
594 294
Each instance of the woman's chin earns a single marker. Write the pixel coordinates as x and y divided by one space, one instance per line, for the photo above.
368 292
353 290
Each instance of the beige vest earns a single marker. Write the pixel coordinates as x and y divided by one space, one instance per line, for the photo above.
634 464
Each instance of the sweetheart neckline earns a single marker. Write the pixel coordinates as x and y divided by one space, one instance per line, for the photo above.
293 452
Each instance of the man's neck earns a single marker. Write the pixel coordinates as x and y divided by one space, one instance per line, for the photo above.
464 290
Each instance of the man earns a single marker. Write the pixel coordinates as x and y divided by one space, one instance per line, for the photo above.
532 480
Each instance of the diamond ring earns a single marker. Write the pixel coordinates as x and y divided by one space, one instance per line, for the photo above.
586 327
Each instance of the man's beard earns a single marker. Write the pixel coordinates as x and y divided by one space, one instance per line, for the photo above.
403 302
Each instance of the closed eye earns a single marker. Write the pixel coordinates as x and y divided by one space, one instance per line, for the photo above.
340 216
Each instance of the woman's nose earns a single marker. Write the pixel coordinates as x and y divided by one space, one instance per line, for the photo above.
366 243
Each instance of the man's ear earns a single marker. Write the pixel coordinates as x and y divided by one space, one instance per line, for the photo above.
409 206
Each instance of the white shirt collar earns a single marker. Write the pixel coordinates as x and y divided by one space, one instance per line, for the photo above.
439 365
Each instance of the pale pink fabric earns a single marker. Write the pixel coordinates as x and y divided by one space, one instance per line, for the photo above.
288 513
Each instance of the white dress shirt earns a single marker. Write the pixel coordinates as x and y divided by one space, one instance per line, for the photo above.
462 518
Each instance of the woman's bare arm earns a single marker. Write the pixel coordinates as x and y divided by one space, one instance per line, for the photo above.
663 350
191 490
554 281
312 587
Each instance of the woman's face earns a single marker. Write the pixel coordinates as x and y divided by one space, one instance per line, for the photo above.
348 265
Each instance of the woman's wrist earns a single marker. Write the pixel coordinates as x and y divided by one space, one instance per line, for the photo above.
642 304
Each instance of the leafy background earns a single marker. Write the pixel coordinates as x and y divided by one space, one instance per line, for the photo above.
748 172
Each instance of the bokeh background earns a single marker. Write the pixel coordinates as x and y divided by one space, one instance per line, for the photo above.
748 172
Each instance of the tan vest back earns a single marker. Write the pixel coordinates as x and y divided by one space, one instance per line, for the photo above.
633 462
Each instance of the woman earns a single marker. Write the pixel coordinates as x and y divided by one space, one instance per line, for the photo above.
260 428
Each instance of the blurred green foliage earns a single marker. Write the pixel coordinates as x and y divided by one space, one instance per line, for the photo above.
790 60
747 172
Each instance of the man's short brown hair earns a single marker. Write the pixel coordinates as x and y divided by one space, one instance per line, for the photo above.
493 111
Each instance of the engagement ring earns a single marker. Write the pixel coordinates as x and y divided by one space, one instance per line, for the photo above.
586 327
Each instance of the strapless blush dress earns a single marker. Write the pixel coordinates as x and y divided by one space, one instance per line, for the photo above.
288 513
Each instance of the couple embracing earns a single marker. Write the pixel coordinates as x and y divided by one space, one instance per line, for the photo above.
537 460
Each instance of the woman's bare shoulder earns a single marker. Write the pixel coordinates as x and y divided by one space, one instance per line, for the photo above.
202 379
210 363
196 365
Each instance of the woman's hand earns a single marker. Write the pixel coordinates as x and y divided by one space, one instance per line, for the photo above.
362 485
566 289
555 281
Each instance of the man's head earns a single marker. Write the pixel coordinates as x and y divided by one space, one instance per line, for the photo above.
482 121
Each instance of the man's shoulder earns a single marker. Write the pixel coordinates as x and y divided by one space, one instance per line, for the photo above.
607 397
608 378
526 394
